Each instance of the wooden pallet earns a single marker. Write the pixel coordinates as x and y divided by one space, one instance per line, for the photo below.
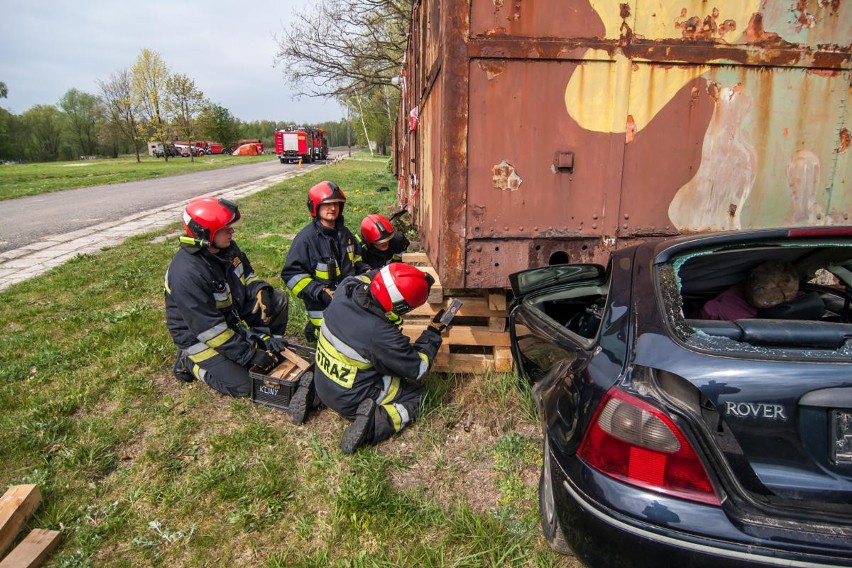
477 341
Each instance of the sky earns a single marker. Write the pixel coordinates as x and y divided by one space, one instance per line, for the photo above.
227 47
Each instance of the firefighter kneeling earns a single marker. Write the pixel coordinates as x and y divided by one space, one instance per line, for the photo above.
366 369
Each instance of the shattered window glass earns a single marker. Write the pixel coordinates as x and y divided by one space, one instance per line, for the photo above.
687 281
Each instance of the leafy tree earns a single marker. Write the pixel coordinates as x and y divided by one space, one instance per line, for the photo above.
185 103
11 147
218 124
149 76
84 115
121 109
4 90
42 129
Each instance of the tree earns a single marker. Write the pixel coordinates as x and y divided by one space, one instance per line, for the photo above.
42 126
345 47
11 147
185 103
218 124
351 50
84 115
4 90
148 79
121 108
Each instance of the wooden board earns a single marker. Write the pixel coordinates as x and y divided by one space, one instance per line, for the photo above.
291 367
33 550
462 335
16 506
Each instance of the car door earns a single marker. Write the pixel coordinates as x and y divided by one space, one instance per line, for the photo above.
553 325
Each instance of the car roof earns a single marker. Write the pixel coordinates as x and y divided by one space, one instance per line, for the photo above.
666 249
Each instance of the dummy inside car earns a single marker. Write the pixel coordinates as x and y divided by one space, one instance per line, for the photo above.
703 441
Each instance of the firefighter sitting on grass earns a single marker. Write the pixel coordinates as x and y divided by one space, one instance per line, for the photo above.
366 369
322 254
380 243
220 315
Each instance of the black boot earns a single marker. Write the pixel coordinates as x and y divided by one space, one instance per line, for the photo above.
181 367
358 432
303 399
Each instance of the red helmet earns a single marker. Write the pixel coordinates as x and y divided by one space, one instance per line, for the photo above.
376 228
204 216
324 192
400 287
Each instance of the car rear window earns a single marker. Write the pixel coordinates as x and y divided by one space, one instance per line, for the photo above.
719 300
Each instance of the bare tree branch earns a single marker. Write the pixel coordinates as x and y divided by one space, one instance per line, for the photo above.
117 94
345 48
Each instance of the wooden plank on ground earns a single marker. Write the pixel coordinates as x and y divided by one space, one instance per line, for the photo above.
33 550
16 506
462 363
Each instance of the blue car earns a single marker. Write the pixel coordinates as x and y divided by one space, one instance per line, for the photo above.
677 436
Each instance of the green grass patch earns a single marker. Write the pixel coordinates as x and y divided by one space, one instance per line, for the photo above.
21 180
136 469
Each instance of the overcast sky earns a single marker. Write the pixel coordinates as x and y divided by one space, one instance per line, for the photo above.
227 47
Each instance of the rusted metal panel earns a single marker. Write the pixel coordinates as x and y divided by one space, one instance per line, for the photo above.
560 129
515 188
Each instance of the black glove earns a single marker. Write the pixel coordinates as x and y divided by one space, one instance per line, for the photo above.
274 344
263 304
325 296
435 324
262 359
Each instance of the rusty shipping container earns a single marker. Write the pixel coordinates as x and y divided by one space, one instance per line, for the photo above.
542 131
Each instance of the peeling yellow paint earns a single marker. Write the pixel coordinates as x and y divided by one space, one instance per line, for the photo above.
592 91
595 90
659 19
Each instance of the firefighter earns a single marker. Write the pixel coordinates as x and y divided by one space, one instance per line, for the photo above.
380 243
366 369
221 317
322 254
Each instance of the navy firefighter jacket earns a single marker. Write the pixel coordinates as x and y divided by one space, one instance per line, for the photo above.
320 257
207 295
378 258
359 347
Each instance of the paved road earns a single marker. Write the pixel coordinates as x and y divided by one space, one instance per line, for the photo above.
40 232
30 219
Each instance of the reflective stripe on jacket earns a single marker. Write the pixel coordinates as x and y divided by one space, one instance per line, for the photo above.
206 297
360 351
320 258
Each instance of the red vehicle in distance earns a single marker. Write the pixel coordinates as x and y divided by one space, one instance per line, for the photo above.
210 147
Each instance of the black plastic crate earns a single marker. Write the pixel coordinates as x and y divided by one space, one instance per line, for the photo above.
274 387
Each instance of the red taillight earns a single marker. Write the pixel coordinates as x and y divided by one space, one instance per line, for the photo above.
636 443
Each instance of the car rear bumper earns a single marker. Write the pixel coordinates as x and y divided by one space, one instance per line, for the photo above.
608 523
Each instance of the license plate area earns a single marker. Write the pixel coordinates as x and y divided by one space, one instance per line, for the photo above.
841 437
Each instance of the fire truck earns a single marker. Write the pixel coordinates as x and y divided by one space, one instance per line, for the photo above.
297 143
320 144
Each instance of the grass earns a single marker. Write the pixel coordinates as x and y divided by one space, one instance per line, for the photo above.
136 469
21 180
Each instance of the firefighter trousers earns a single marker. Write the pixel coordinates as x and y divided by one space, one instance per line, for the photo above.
397 405
229 377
